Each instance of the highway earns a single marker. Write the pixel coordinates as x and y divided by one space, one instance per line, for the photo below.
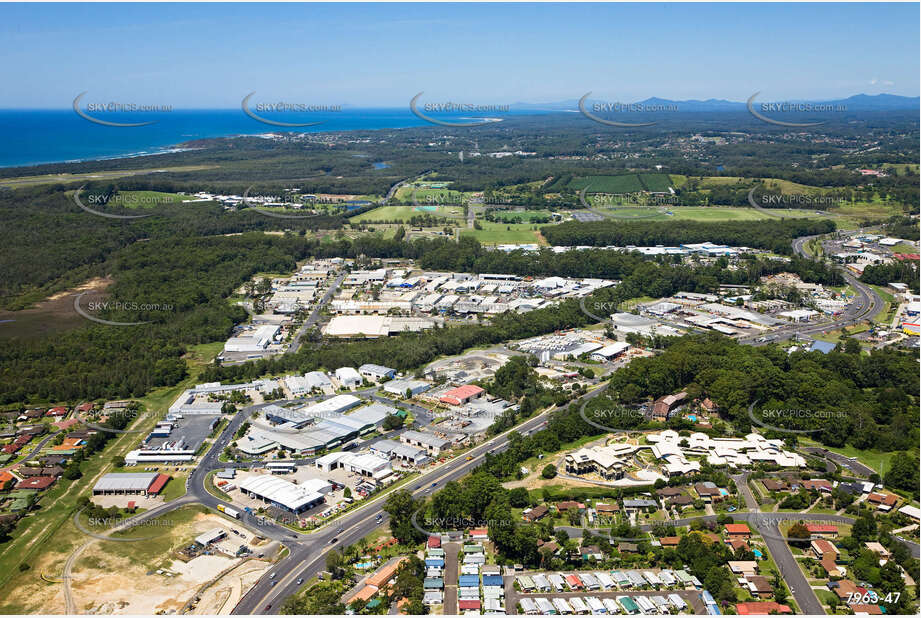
866 306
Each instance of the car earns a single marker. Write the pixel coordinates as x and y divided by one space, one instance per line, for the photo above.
380 518
300 580
435 483
272 576
334 540
274 581
341 530
268 607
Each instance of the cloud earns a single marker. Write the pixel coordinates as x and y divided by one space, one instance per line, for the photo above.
881 82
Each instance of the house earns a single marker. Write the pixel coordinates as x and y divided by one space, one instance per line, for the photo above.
570 504
822 547
774 484
737 544
878 549
57 412
607 509
743 567
663 406
670 541
845 588
708 492
681 501
754 608
821 485
636 505
738 531
832 567
822 530
630 548
883 502
759 586
36 482
536 513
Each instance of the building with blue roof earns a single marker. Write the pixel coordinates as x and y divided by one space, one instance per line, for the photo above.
822 346
468 581
492 580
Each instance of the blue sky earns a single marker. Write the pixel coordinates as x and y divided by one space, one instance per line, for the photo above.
367 55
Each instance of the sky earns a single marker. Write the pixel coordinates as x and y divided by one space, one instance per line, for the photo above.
380 55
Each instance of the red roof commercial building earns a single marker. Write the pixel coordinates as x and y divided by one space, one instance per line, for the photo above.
461 395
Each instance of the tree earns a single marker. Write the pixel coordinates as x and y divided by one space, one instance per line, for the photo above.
347 493
392 422
549 471
334 563
864 528
519 497
401 506
118 461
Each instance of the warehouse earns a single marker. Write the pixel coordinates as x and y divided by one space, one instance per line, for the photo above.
461 395
364 464
348 377
433 444
401 387
281 493
610 352
332 406
127 483
376 372
404 452
256 340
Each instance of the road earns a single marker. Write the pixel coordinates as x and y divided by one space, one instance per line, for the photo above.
315 314
866 306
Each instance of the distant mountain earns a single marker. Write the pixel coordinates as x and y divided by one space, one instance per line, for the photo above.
856 103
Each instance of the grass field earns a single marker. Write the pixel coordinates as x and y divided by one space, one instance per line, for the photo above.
504 233
707 213
656 183
149 199
405 213
524 215
877 460
627 183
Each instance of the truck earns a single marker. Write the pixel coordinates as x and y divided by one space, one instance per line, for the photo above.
228 511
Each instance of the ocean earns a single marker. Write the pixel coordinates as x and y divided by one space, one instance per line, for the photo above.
31 137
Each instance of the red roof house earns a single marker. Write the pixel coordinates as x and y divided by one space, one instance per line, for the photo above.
740 530
434 542
36 482
752 608
468 604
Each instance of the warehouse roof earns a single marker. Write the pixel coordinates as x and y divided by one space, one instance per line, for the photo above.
125 481
280 491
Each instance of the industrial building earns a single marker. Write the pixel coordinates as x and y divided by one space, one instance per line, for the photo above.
281 493
432 444
129 483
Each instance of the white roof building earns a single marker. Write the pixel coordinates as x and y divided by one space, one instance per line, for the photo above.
348 376
270 488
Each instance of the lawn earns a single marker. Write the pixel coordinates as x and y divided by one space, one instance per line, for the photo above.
726 213
405 213
524 215
877 460
504 233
